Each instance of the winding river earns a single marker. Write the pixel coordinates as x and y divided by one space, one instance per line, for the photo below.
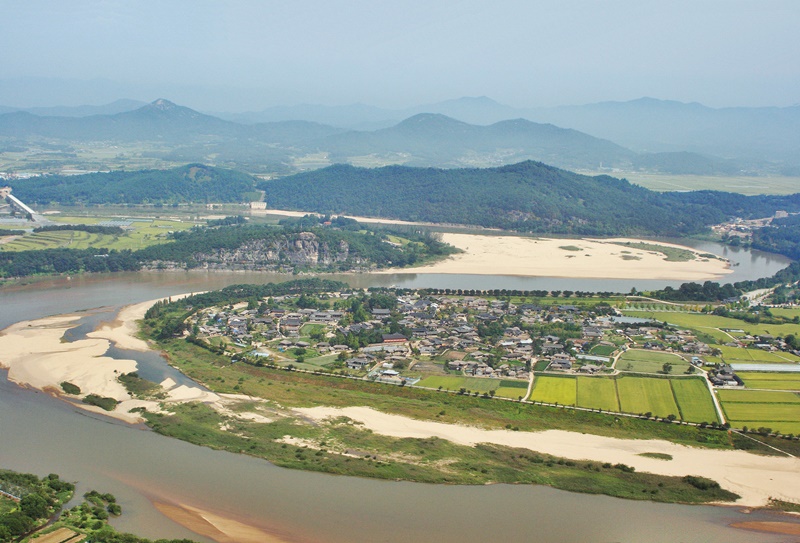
41 434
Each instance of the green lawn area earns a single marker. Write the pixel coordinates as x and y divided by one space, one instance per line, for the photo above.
771 381
645 361
597 393
549 389
307 329
320 361
694 400
642 395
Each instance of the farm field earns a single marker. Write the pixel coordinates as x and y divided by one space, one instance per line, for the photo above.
694 400
143 233
779 411
707 323
771 381
757 396
686 398
511 389
742 184
645 361
472 384
597 393
643 395
560 390
602 350
742 355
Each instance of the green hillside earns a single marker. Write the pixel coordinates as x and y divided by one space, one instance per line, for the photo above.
529 196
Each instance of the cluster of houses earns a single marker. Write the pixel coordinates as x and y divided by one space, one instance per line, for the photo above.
432 326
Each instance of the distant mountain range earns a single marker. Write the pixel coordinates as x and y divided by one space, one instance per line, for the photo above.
749 135
422 140
659 136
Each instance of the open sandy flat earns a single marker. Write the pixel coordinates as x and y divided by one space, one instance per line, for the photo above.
36 356
579 258
755 478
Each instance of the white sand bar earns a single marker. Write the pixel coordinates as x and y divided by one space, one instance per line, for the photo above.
581 258
755 478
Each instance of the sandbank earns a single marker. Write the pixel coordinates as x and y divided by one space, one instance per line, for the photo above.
755 478
37 356
572 258
215 526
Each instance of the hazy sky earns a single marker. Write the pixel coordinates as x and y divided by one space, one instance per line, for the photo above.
247 54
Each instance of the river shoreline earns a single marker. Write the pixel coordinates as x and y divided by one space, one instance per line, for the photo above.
36 357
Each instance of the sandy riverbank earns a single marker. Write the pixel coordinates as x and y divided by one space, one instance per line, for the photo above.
573 258
217 527
36 355
755 478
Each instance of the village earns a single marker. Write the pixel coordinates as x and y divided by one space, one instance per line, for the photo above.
405 339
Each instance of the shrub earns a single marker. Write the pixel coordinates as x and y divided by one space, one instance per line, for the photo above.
69 388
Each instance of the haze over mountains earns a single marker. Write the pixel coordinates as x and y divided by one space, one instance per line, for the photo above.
646 134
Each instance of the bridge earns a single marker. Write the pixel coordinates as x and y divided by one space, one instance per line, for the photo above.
17 205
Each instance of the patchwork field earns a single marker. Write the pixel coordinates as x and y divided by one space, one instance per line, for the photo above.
771 381
141 234
686 398
709 323
779 411
644 361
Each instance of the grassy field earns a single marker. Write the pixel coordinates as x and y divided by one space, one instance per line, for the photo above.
771 381
646 361
643 395
597 393
785 312
694 400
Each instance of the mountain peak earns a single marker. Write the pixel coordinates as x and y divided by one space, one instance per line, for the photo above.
163 105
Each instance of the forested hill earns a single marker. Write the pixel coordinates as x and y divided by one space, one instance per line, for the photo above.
528 196
191 183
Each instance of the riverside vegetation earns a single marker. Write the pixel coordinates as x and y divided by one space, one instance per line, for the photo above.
32 507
